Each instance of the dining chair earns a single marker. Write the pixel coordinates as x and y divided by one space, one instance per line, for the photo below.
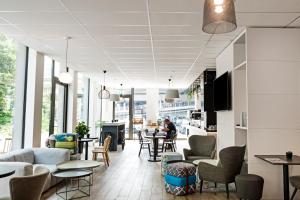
103 150
144 143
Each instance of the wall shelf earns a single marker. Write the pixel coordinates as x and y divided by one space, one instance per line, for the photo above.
241 127
241 66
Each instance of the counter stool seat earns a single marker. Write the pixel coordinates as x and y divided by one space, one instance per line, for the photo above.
295 182
249 186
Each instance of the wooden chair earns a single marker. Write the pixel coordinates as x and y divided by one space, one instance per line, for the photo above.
103 150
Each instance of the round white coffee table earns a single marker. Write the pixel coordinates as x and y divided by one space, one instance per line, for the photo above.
78 164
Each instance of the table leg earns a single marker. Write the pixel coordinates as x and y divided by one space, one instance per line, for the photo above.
155 149
86 150
286 182
155 153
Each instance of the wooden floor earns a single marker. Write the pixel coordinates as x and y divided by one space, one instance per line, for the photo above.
130 177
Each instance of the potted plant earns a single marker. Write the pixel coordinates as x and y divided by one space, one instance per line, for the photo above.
82 129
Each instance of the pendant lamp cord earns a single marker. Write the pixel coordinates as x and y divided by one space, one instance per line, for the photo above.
67 48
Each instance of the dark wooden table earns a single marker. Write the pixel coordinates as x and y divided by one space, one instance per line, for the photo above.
284 162
155 144
86 141
4 172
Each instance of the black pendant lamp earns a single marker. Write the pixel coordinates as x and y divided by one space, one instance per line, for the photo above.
104 93
219 16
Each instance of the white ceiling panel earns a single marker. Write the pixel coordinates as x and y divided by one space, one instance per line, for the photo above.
38 18
176 5
115 19
265 6
265 19
105 5
140 42
30 5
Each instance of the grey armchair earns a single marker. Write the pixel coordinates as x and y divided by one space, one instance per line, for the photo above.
202 147
28 187
231 160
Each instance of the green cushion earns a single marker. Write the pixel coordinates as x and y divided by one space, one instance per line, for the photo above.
65 145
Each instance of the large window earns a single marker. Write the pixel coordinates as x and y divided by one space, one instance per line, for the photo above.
46 109
177 112
7 90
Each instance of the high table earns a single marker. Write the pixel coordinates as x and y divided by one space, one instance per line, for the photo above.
155 143
281 160
86 141
4 172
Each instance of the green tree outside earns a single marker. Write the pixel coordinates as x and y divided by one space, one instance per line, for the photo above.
7 84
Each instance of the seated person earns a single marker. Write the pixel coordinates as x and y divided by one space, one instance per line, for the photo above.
169 128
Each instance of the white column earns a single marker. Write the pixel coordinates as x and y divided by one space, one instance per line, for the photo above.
72 103
19 96
34 99
152 100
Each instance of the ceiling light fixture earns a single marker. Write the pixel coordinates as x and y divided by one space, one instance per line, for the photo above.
66 77
121 93
219 16
114 97
171 93
104 93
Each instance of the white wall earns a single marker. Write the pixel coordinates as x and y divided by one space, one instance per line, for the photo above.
152 107
225 119
273 102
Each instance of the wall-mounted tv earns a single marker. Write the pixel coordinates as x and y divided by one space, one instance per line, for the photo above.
222 92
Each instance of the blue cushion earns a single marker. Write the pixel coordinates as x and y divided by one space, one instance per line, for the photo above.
65 137
179 181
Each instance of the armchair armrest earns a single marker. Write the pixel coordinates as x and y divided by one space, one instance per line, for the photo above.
50 155
213 154
187 153
210 172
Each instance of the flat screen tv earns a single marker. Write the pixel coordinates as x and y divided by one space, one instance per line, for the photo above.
222 92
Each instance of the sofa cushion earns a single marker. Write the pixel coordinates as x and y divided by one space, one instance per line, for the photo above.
65 145
192 158
7 158
23 155
65 137
50 156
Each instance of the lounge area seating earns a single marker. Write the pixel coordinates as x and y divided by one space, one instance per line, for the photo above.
65 141
25 161
231 160
201 147
28 187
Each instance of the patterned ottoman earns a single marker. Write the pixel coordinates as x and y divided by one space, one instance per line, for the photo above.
180 178
168 156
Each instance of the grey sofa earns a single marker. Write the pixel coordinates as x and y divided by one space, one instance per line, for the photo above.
24 161
202 147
